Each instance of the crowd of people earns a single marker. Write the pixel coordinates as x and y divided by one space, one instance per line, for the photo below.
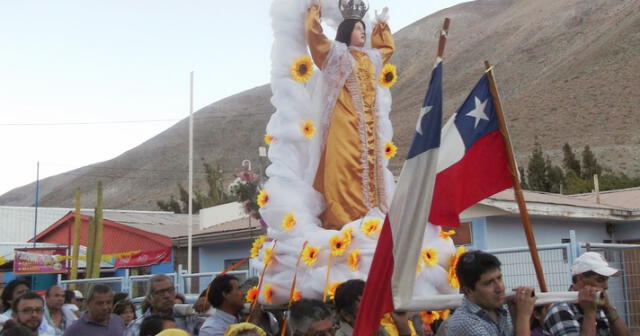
222 309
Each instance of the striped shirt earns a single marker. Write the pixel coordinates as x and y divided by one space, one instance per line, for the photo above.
565 319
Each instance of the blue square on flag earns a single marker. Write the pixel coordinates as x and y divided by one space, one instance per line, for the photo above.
428 127
476 117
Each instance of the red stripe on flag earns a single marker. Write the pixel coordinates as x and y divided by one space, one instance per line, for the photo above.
377 298
482 172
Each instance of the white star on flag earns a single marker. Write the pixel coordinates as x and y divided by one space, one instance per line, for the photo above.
423 112
478 112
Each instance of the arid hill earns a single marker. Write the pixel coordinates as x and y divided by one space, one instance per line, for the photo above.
568 71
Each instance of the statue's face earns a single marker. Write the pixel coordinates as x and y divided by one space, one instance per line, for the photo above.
358 35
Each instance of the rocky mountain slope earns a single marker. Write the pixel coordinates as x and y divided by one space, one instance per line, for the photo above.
567 71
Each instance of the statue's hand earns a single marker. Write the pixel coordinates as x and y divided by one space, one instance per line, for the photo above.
384 16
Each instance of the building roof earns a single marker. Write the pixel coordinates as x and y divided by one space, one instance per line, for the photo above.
557 205
238 229
163 223
626 198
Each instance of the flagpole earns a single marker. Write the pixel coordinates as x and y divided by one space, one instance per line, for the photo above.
517 189
443 37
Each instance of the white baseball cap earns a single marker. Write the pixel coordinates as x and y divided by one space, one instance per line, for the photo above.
78 294
592 261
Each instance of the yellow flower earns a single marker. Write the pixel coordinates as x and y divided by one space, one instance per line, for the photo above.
252 294
302 69
452 276
354 259
331 291
337 245
430 256
310 255
268 293
388 76
308 129
419 267
268 254
257 245
370 226
390 150
268 139
444 314
429 317
347 235
446 234
296 295
289 221
263 198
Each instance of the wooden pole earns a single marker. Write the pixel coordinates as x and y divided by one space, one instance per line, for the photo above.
76 240
517 189
97 253
443 37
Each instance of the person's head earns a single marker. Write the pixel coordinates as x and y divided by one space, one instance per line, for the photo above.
13 289
347 299
244 329
69 296
54 297
224 293
481 279
126 310
352 32
154 324
161 294
78 299
119 296
591 269
537 318
99 303
180 299
28 310
310 317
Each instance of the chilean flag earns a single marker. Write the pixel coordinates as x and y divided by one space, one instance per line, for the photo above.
444 174
393 270
473 162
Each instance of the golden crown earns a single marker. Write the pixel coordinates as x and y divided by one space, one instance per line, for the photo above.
353 9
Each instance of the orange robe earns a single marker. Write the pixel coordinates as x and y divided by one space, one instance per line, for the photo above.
349 172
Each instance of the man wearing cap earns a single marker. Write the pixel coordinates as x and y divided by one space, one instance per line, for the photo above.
589 316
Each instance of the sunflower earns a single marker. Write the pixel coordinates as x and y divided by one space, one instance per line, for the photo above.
268 139
444 314
370 226
446 234
452 276
257 245
338 245
331 291
289 221
297 295
347 235
430 256
354 259
429 317
302 69
310 255
263 198
308 129
388 76
390 150
252 294
268 293
268 254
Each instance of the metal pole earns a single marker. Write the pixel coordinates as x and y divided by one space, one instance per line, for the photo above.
190 221
35 222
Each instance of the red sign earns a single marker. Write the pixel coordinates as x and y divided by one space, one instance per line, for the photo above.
40 260
145 258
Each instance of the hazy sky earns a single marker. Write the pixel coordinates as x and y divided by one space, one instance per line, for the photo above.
84 81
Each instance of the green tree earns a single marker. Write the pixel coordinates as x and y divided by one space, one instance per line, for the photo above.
569 162
590 164
536 170
215 194
554 177
523 180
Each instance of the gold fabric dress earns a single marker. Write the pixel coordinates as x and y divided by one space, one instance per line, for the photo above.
348 179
